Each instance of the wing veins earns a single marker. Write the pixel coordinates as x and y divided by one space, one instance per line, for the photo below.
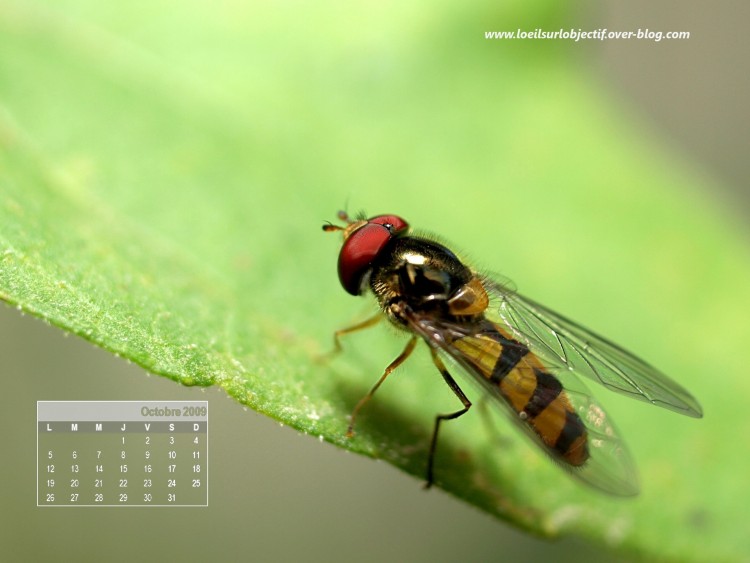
601 361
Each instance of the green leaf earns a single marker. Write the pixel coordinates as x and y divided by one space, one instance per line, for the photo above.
164 175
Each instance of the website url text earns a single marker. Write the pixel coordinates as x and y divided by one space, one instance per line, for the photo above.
581 35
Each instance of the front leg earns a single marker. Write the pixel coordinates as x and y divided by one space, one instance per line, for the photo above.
393 365
372 321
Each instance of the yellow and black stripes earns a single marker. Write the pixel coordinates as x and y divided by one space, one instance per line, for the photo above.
535 394
548 389
510 355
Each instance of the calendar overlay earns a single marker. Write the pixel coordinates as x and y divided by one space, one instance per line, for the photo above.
122 453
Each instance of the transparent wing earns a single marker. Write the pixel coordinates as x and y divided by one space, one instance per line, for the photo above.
609 468
563 343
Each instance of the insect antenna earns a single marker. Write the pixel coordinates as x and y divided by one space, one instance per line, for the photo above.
330 227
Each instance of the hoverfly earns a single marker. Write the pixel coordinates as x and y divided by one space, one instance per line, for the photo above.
524 355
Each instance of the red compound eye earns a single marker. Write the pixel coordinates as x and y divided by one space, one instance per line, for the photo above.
363 246
393 223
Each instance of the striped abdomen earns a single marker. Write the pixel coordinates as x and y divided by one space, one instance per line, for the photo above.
536 395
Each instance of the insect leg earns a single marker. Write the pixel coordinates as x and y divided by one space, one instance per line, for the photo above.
393 365
323 358
439 418
372 321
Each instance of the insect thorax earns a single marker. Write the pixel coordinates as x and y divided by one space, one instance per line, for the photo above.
418 273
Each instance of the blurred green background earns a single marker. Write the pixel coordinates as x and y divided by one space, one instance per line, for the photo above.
525 154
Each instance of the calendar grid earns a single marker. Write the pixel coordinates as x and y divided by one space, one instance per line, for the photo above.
122 453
